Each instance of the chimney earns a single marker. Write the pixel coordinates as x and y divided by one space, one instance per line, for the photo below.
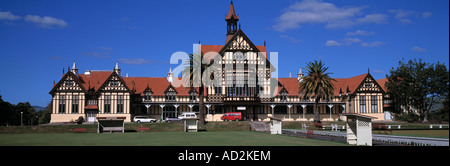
87 72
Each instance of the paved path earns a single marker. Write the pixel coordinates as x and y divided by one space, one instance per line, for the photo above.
378 140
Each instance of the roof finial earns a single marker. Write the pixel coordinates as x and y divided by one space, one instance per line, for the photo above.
117 65
368 70
74 66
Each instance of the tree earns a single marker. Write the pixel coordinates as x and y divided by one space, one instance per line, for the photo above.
193 73
29 114
6 112
416 86
317 84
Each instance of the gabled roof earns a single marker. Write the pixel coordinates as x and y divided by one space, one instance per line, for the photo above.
95 79
290 84
69 73
382 83
352 83
105 83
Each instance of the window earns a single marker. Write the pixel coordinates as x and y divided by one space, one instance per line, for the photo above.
192 97
120 104
362 104
107 109
218 90
299 109
92 102
75 104
374 104
309 109
114 83
282 109
68 83
170 96
62 104
147 96
283 96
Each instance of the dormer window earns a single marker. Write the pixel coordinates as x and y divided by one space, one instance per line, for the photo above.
192 95
170 96
283 96
147 96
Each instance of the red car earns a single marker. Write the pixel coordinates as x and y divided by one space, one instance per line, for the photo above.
232 116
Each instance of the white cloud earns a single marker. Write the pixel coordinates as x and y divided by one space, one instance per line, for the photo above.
418 49
139 61
46 21
343 42
360 33
290 38
405 16
312 11
374 18
332 43
373 44
426 14
8 16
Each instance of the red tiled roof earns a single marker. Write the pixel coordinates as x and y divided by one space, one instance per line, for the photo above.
382 83
95 79
352 83
290 84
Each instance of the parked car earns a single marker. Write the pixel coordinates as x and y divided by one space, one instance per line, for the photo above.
187 115
229 116
173 120
139 119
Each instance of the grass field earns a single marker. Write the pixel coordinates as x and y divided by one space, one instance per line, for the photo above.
232 138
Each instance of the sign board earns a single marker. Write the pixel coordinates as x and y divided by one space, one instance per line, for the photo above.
241 108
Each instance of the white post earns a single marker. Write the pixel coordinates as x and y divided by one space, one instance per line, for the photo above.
162 111
148 106
289 106
331 106
190 107
207 106
303 106
273 106
176 109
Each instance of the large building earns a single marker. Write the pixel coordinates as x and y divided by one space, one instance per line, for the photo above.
246 86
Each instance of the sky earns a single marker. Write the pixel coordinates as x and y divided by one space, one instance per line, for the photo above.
41 38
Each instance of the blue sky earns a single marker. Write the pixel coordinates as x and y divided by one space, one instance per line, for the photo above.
40 38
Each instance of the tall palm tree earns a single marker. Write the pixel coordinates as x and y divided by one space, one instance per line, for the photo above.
194 68
317 84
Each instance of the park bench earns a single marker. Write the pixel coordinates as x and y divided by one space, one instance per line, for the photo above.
79 130
381 127
319 126
143 128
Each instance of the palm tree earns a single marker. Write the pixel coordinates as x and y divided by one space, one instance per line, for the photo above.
317 84
193 73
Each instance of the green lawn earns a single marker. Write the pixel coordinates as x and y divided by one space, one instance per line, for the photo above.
232 138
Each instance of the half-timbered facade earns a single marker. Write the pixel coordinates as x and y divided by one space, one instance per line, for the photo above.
245 87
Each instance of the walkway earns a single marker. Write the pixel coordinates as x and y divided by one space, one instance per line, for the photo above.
383 140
